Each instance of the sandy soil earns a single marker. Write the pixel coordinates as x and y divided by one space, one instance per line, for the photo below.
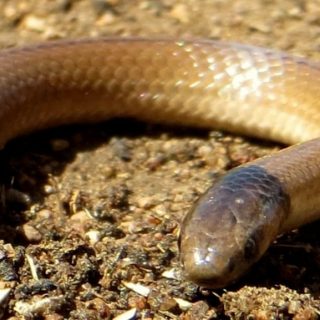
99 236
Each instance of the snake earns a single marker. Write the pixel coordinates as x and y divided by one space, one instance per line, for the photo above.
210 84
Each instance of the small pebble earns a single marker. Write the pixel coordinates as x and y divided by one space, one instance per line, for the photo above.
49 189
168 304
128 315
180 12
31 233
4 294
53 316
184 305
170 274
45 214
38 307
146 202
34 23
138 288
94 236
138 302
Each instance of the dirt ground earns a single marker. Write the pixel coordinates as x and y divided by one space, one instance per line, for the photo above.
98 237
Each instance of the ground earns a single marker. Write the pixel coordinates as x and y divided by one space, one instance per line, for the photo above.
98 237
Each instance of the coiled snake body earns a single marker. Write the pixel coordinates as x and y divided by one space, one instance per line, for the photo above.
209 84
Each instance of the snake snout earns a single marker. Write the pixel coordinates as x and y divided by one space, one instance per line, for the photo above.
231 226
209 266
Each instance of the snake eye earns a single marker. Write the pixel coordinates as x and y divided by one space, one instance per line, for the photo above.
250 249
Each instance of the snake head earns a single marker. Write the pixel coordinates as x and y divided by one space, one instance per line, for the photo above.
231 226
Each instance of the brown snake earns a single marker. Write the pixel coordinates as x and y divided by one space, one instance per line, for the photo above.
209 84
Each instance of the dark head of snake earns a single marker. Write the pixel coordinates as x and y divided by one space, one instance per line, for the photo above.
231 226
